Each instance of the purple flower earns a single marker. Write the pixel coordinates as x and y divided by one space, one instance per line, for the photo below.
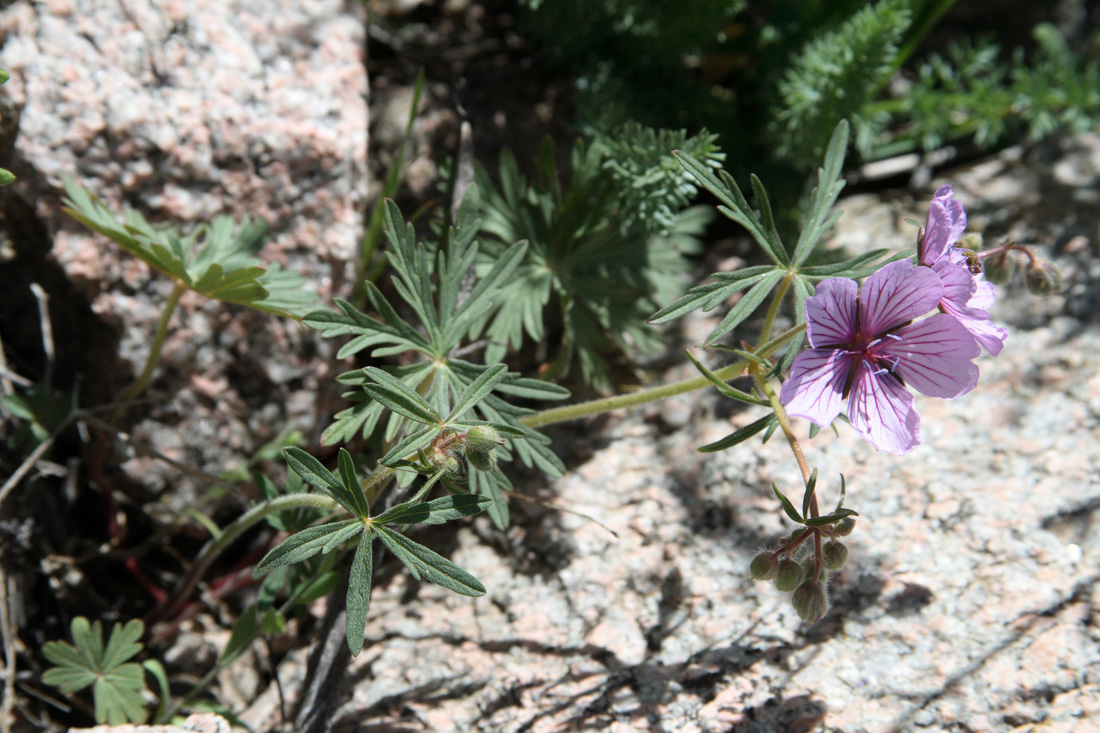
866 348
967 295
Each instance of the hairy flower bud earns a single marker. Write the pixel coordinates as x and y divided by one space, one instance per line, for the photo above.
788 575
483 439
763 566
810 601
845 526
1043 277
835 555
1000 268
482 461
970 240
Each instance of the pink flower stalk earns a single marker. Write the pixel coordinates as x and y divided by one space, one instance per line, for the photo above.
867 349
967 295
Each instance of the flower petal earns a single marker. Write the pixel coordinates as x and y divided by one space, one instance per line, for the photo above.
934 356
984 294
899 292
881 409
816 385
958 283
980 325
831 313
943 227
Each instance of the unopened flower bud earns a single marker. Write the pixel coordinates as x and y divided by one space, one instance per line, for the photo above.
788 575
483 439
810 601
845 526
450 465
1043 277
763 566
482 461
835 555
1000 269
970 240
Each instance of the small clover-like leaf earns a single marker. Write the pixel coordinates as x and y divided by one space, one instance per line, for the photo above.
117 685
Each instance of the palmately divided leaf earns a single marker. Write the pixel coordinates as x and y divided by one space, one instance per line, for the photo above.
745 307
214 259
394 394
117 685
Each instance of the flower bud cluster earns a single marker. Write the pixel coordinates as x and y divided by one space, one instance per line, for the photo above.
805 572
477 445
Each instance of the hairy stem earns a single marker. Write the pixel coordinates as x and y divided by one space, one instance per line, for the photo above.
217 545
773 309
154 353
645 396
785 425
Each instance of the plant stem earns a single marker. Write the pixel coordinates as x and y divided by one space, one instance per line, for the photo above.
785 425
216 545
773 309
154 353
645 396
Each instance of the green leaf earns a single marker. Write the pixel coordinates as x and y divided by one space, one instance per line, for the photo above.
117 685
352 485
829 186
155 668
4 76
738 436
811 485
843 494
395 395
436 511
6 177
745 307
736 207
316 475
478 390
788 507
422 562
244 633
830 518
214 259
358 599
309 542
724 388
410 444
